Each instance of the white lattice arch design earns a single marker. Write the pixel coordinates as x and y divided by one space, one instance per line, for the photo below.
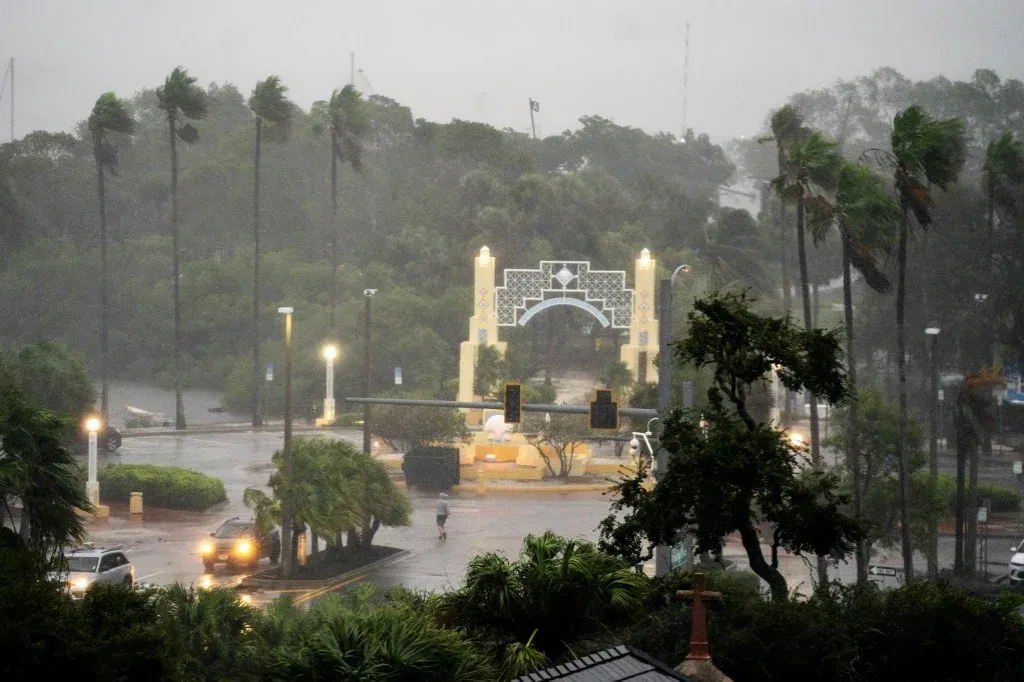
568 283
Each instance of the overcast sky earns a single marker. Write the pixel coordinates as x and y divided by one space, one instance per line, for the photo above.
482 59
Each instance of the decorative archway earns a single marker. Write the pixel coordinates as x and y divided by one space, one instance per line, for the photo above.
524 293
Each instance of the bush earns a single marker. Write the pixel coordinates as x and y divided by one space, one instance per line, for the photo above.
163 487
1004 498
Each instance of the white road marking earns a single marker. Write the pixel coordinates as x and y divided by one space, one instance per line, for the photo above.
149 575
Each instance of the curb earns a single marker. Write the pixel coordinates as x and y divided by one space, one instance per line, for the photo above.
528 490
274 583
139 433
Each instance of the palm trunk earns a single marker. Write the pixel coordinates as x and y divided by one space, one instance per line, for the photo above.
989 303
901 364
179 403
257 383
862 554
805 295
787 298
104 318
334 225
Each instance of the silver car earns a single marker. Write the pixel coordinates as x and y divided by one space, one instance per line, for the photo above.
96 565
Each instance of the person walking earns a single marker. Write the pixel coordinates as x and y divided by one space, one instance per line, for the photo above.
442 515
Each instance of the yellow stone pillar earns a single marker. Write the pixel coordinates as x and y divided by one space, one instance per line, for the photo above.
643 330
483 329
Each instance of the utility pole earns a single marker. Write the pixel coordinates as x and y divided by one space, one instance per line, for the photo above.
11 68
534 106
287 521
932 549
352 69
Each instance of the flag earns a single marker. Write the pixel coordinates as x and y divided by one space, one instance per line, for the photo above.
534 106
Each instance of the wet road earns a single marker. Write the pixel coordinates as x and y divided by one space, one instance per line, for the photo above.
164 546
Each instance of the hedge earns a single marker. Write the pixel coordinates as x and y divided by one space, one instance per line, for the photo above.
161 486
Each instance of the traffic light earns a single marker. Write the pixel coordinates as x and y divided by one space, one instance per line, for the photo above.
604 412
513 405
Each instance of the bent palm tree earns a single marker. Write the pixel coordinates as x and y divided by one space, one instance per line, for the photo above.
179 98
109 115
809 178
865 213
925 152
269 105
344 117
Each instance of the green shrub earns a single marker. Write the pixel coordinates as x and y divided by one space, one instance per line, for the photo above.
161 486
1004 498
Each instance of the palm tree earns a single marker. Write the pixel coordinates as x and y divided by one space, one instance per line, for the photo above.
1004 176
269 105
925 152
109 115
37 470
787 129
865 213
807 178
179 98
344 117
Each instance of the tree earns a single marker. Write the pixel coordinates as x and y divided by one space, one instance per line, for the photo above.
865 213
809 177
52 377
180 98
37 470
490 372
557 437
344 116
406 427
925 152
787 129
109 115
729 472
269 106
557 593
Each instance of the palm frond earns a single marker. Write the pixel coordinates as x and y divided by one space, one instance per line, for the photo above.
180 95
269 103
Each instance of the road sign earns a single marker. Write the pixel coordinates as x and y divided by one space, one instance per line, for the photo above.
398 376
270 371
1018 468
604 412
513 403
679 554
982 514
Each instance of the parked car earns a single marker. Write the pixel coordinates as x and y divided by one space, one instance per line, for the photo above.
95 565
238 543
1017 564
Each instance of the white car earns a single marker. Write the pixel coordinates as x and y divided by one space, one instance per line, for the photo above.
96 565
1017 565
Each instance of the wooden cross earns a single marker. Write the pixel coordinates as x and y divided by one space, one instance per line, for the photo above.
699 626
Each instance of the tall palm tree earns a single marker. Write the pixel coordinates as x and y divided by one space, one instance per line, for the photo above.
865 213
344 117
808 178
109 115
925 152
1004 178
180 98
270 106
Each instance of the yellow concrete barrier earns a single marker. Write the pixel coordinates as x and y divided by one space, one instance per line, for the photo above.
135 503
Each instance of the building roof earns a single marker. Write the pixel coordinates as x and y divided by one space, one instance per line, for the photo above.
611 665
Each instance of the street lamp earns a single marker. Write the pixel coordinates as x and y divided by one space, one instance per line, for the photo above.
92 486
330 352
661 552
286 450
933 442
368 294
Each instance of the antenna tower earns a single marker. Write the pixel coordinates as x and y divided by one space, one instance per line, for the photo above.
686 76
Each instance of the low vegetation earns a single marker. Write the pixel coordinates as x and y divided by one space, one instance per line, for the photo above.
161 486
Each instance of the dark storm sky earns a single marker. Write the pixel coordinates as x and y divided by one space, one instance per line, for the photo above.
482 59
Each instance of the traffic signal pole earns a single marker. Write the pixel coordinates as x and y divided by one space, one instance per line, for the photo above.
480 405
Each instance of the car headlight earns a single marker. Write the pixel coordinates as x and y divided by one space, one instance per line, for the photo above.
206 548
79 583
244 547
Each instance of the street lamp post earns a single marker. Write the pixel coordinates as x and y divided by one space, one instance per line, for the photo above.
933 450
287 559
368 295
330 352
661 552
92 486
